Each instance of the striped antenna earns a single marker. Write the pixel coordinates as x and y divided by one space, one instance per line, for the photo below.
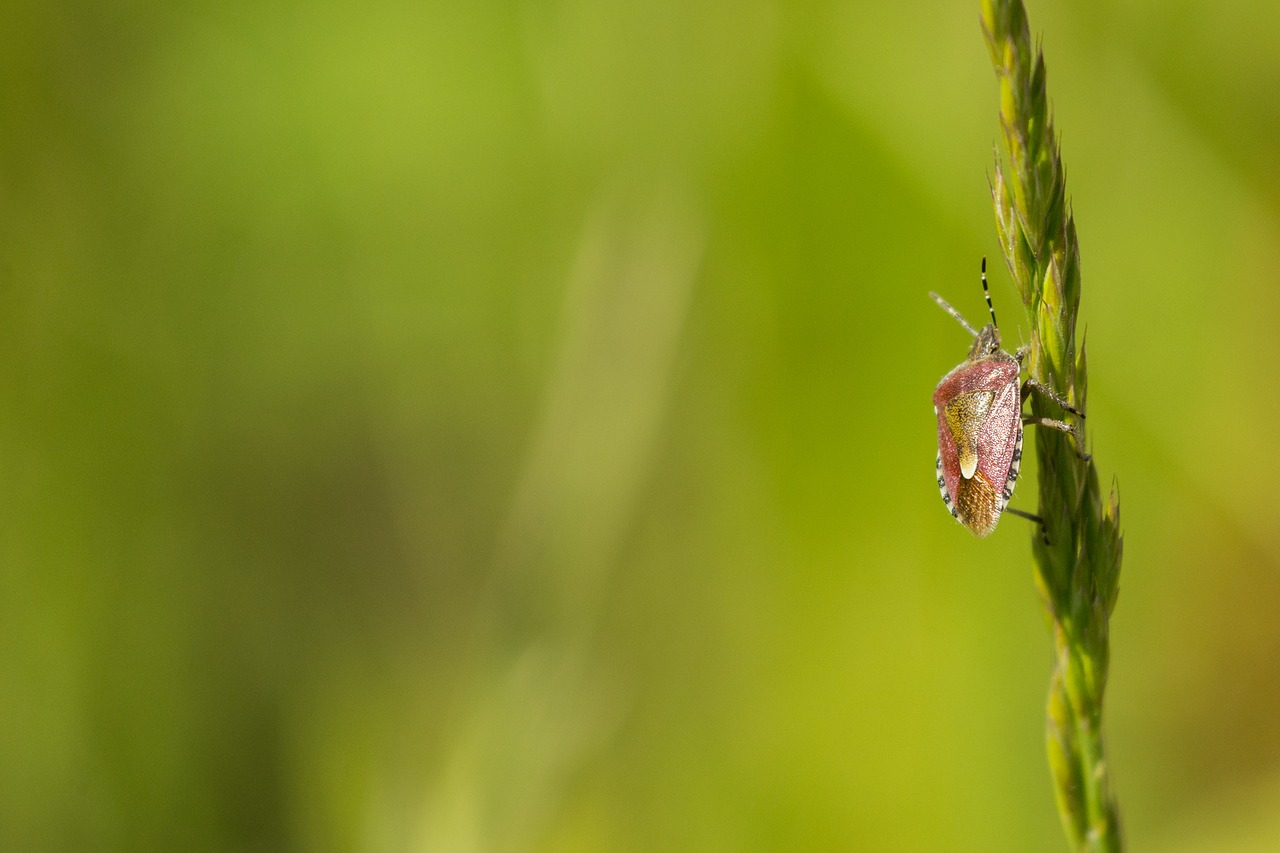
987 293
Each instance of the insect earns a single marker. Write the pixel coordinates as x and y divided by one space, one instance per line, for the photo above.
980 420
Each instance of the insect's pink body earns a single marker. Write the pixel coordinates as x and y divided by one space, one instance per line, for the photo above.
980 428
979 409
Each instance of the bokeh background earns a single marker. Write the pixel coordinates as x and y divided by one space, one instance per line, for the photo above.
505 426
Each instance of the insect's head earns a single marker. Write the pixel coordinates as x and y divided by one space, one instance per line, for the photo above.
987 341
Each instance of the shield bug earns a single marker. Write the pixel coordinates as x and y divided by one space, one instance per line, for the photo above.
980 420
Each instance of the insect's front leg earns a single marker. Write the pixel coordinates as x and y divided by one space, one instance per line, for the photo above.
1030 385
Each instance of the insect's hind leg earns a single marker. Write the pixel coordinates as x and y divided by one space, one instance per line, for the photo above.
1044 531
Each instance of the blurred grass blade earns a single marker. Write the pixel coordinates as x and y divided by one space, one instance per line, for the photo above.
539 701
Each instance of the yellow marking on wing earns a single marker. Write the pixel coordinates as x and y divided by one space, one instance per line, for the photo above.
964 415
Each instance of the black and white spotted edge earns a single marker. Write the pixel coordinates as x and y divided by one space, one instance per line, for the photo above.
942 487
1014 465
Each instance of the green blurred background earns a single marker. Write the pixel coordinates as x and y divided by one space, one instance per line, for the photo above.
505 426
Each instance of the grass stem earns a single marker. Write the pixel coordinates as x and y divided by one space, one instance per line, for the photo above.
1077 561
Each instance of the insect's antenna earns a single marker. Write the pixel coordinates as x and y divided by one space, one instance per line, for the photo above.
954 313
987 293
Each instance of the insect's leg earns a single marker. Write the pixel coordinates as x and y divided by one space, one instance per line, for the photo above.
1044 532
1030 385
1034 420
1061 426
